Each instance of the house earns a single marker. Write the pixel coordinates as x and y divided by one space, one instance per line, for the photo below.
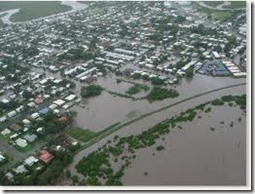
216 55
25 129
30 138
38 101
9 176
44 111
53 106
31 104
46 96
39 130
35 115
20 169
15 127
26 121
5 101
150 66
187 66
5 132
14 136
12 113
21 142
45 156
20 108
63 119
2 119
59 102
70 97
2 158
30 160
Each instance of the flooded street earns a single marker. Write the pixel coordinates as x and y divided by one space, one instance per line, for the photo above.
196 155
104 110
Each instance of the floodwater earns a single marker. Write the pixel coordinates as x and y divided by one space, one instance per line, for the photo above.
147 122
196 155
104 110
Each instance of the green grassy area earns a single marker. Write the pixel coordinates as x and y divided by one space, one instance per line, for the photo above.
222 15
136 88
120 95
158 93
213 3
32 10
28 148
81 134
236 5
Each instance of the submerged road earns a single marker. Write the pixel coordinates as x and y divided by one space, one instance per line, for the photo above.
144 122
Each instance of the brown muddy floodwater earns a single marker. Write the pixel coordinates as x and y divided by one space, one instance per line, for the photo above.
196 155
147 122
105 110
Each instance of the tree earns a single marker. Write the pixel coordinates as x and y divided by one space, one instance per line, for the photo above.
27 94
92 90
190 72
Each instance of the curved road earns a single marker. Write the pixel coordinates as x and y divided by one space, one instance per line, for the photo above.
148 120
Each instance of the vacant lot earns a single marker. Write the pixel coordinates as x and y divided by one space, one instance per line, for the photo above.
236 5
213 3
222 15
31 10
81 134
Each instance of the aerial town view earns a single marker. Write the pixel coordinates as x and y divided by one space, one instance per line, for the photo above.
123 93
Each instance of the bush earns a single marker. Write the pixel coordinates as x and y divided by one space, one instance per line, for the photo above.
159 148
190 72
159 93
157 81
217 102
92 90
209 109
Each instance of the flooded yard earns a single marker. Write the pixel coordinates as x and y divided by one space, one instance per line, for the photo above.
196 155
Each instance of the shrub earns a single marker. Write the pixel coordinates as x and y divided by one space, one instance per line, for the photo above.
92 90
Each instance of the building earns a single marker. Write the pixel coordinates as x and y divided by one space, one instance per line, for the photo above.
45 156
21 142
20 169
70 97
30 160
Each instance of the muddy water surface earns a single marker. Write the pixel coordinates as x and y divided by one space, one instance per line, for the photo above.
196 155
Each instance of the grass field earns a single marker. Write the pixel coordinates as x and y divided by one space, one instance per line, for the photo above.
236 5
32 10
222 15
213 3
81 134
